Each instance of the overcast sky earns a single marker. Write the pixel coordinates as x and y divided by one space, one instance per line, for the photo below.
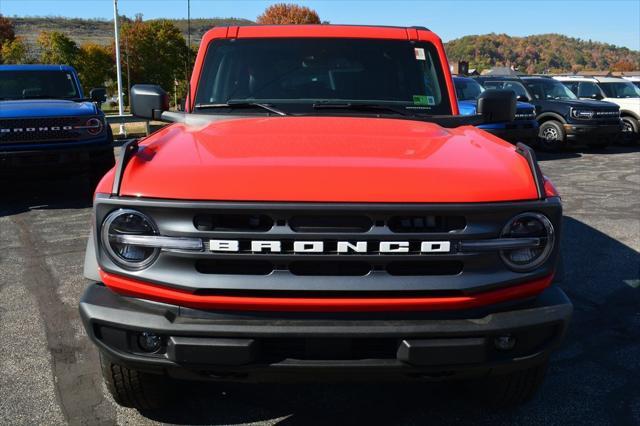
611 21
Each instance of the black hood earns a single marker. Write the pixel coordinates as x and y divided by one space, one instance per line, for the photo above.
587 104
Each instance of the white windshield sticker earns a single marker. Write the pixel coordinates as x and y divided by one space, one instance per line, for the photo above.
420 56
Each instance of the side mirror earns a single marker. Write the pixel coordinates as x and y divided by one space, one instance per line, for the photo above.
148 101
597 96
523 98
98 95
496 105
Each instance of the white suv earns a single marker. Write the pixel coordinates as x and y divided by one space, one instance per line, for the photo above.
611 89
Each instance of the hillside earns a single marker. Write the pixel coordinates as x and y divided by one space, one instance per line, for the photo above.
533 54
539 53
101 31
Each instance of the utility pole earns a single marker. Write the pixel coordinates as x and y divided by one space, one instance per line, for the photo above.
118 67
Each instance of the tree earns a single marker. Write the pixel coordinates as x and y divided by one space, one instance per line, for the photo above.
7 34
57 48
283 13
623 65
95 65
155 52
14 52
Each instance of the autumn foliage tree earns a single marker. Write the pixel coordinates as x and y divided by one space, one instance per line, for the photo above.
95 65
154 52
283 13
7 33
57 48
14 52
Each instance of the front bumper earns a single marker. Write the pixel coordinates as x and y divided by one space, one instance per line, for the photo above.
219 345
588 133
42 160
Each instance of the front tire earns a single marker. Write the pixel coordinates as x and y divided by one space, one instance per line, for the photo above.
551 136
514 388
630 130
133 388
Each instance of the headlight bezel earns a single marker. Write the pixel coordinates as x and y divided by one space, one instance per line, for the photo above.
582 114
116 258
549 241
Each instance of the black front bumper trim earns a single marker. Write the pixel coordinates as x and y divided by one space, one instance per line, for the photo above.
237 345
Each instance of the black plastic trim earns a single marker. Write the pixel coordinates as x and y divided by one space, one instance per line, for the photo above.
529 154
127 152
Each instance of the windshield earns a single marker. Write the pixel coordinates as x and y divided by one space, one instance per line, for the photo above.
298 73
514 86
546 88
37 85
467 89
620 90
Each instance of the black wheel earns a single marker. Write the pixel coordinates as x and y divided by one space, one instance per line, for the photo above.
551 136
513 388
630 130
135 389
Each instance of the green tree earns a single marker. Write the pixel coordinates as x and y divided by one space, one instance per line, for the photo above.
57 48
95 65
14 52
154 51
283 13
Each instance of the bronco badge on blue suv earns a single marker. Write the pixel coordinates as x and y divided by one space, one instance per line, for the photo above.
47 125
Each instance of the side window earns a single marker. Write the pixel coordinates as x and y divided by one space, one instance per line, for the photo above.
572 85
492 85
588 90
536 90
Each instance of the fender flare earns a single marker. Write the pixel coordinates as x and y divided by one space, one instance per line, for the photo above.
628 112
552 115
91 269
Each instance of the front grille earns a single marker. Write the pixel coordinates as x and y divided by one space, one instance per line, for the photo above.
28 130
250 248
525 115
607 114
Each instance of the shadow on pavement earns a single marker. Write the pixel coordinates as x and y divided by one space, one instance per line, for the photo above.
593 378
577 151
23 194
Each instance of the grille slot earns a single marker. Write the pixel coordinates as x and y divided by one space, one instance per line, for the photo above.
328 268
351 224
234 267
409 268
38 130
428 223
233 222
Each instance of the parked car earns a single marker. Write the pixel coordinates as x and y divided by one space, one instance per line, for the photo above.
524 128
48 126
563 118
611 89
321 209
635 79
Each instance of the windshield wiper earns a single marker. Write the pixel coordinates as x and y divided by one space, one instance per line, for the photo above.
233 103
361 107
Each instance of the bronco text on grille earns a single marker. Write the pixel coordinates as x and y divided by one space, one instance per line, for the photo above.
321 209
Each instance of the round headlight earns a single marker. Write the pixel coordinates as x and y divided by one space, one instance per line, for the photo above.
528 225
125 222
94 126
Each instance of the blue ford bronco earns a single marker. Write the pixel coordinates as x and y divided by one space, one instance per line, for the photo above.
524 128
48 126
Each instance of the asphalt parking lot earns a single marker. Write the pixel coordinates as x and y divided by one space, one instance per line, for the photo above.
49 372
